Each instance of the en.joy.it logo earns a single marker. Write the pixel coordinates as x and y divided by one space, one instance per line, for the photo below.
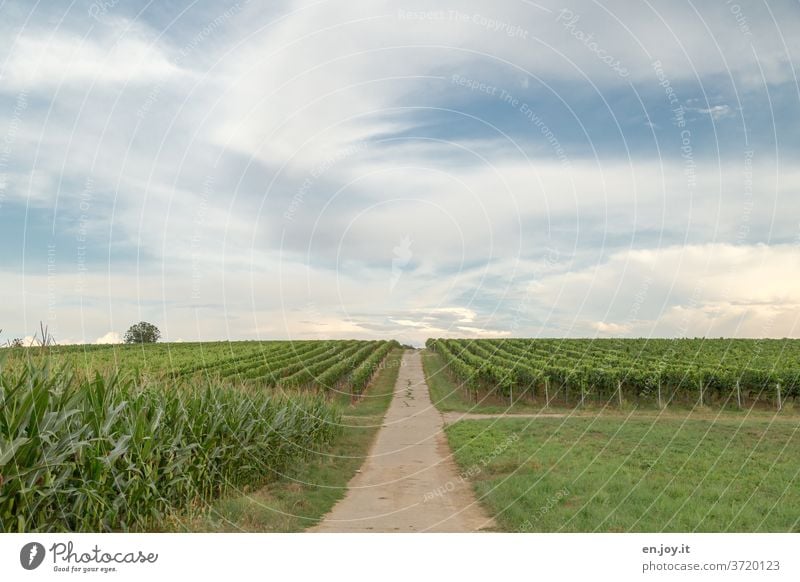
31 555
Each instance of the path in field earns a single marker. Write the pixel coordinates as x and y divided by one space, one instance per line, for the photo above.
451 417
409 481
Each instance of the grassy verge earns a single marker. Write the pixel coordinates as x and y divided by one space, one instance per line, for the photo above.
304 494
616 474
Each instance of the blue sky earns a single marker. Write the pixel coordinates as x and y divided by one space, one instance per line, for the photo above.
374 169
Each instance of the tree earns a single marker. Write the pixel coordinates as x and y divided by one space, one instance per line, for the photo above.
142 333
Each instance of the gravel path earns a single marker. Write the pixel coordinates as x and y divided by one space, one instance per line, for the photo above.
409 481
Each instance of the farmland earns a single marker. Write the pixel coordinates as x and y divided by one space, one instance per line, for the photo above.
125 437
625 435
662 372
614 435
618 474
329 365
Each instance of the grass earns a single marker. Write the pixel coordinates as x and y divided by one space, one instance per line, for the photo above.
635 468
628 473
303 495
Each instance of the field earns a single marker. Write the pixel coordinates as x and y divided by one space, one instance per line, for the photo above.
661 371
625 435
126 438
330 365
307 490
601 474
575 435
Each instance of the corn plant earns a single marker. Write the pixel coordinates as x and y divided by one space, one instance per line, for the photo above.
110 454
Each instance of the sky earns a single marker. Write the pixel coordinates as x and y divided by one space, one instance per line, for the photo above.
372 169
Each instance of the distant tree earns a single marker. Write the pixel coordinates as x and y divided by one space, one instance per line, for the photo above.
142 333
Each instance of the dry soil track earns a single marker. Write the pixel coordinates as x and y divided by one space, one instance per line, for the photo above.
409 481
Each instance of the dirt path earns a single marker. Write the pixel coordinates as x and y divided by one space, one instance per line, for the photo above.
409 482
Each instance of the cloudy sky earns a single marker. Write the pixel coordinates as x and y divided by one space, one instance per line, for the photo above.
410 170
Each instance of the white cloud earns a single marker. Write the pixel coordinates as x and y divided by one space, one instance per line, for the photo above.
717 112
477 332
611 328
329 75
124 52
691 290
112 337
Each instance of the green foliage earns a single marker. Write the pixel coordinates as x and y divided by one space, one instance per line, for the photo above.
142 333
329 365
106 454
696 369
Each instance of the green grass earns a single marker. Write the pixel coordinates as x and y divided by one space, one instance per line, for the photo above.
300 499
617 474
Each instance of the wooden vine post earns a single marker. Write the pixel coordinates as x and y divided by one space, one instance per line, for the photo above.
546 392
619 392
778 389
738 394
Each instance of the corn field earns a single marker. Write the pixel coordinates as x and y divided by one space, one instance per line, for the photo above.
111 453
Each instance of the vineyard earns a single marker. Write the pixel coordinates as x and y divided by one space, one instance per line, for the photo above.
572 371
120 438
330 365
